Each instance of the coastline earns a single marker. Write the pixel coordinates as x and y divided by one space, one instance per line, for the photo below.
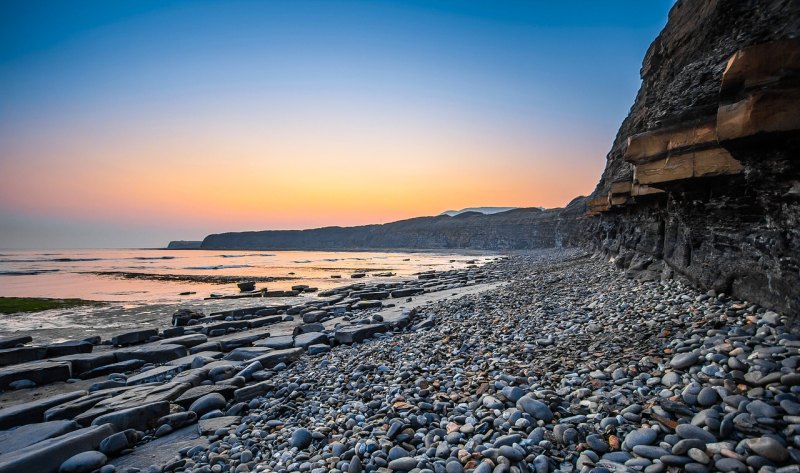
554 349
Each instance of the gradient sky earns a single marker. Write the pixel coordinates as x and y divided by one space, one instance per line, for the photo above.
133 123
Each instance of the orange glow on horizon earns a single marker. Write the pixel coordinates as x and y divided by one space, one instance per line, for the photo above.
290 178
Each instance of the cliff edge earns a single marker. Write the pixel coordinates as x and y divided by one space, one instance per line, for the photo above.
703 179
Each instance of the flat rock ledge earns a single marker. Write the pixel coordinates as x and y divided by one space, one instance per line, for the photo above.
145 392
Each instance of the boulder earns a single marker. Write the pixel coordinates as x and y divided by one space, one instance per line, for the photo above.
208 403
12 341
308 328
208 426
318 349
83 362
178 419
84 462
195 360
160 373
182 317
373 296
133 397
249 370
272 358
243 339
189 341
40 372
277 343
226 326
254 390
307 339
142 417
279 293
360 305
71 347
73 408
48 455
246 353
17 355
152 353
21 437
121 367
246 286
113 444
267 311
264 321
173 332
314 316
208 346
193 394
132 338
358 333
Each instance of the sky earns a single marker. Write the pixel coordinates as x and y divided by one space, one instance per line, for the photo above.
132 123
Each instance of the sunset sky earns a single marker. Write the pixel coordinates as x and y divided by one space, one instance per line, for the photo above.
134 123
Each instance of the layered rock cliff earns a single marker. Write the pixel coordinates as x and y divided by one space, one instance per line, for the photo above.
703 179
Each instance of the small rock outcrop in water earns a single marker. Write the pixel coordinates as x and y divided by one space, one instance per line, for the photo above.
184 245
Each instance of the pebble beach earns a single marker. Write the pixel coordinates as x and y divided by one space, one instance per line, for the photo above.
563 364
569 367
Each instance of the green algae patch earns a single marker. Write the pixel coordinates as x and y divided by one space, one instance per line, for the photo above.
12 305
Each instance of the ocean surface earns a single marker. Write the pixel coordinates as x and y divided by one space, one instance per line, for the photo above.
137 276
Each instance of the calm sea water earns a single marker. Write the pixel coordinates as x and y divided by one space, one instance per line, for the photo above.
71 273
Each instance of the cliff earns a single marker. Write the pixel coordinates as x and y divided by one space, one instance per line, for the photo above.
703 179
511 230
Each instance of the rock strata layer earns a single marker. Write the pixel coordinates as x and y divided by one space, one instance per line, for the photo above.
703 179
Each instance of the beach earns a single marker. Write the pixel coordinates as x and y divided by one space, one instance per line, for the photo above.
542 361
141 288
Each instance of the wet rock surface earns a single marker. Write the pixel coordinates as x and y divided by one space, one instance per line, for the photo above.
202 374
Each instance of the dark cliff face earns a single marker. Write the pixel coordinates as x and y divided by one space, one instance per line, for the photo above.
703 179
683 67
515 229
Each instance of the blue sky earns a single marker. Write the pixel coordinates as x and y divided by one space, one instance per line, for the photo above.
104 104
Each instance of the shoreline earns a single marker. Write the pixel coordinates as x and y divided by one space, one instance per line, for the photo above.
551 359
210 279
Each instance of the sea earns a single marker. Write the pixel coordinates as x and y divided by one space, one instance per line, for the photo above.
171 276
141 288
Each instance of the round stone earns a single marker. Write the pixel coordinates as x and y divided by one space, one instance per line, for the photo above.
761 409
597 443
698 455
208 403
83 462
403 464
670 379
535 408
730 464
642 436
683 360
301 438
689 431
769 448
707 396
